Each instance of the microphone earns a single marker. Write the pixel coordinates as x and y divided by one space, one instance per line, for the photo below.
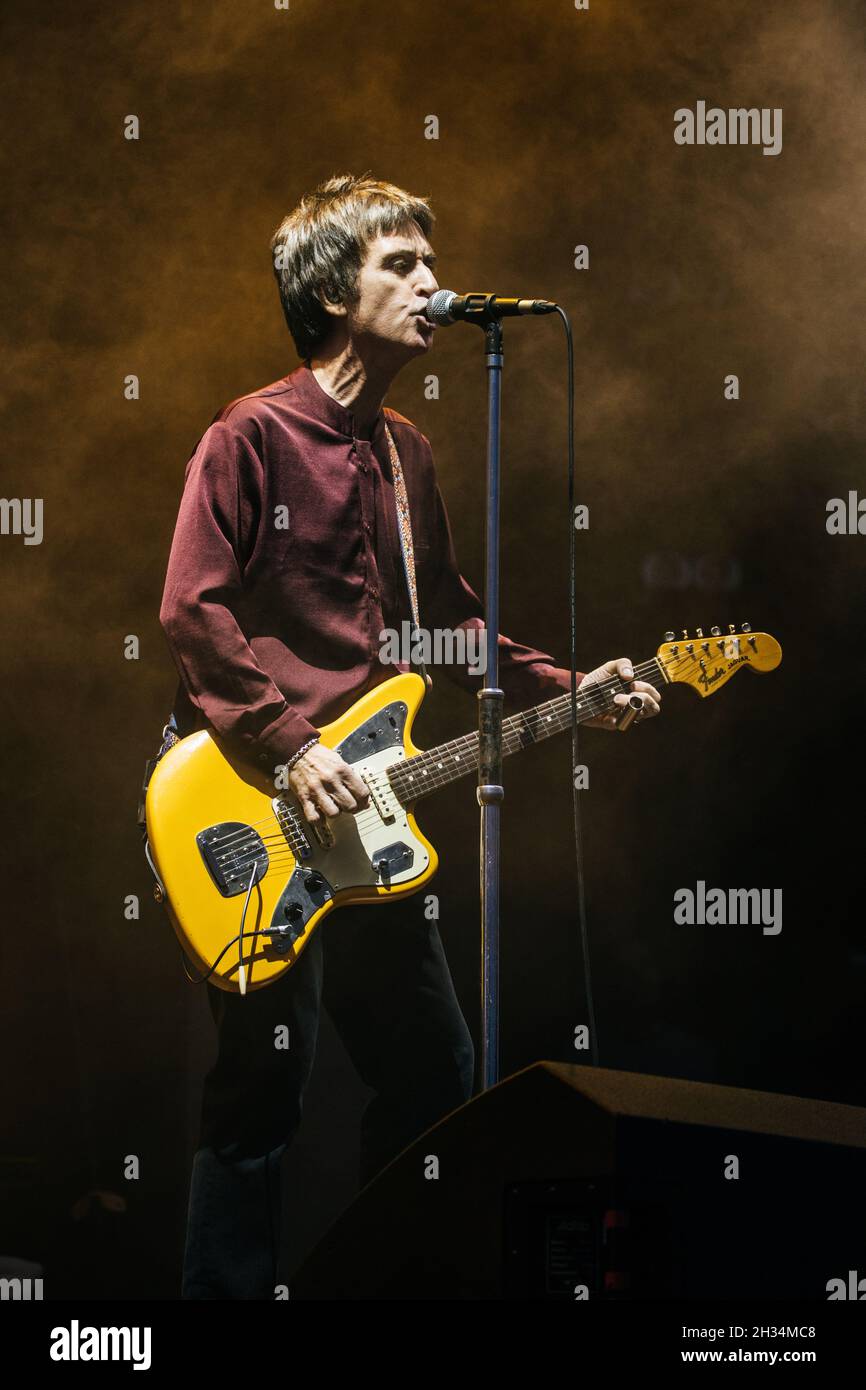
444 307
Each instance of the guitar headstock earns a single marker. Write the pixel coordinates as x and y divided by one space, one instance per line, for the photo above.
706 663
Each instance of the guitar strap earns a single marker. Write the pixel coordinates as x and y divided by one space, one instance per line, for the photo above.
404 526
170 737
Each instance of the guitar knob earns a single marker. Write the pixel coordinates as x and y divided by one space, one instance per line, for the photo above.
669 636
294 911
715 631
314 882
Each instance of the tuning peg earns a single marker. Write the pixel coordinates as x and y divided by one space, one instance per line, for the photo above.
699 631
669 636
715 631
685 634
732 627
746 627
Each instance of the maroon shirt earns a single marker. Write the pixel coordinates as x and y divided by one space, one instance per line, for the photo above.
274 629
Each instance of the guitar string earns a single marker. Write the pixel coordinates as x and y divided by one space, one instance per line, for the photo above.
590 697
513 741
438 773
520 734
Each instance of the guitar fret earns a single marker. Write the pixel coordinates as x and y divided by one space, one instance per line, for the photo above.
437 767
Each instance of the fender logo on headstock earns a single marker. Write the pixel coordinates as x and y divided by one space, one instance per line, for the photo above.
706 680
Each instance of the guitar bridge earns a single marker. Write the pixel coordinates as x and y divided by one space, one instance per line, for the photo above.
290 823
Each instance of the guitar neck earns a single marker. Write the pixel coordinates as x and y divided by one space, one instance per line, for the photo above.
427 772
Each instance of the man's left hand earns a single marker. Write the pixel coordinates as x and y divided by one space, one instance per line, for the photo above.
650 697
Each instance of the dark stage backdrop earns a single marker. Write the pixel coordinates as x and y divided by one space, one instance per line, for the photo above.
149 257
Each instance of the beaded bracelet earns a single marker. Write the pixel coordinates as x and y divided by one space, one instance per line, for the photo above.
304 748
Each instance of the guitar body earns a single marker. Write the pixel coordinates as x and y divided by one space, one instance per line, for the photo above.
214 824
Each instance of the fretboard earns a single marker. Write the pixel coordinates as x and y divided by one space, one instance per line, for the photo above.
426 772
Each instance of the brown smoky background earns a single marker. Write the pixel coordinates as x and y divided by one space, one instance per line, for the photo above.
150 257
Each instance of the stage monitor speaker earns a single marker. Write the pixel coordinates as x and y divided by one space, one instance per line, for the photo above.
568 1182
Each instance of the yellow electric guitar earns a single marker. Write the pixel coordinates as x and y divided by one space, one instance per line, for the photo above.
247 880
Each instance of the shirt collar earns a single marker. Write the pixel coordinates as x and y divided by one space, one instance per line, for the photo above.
315 401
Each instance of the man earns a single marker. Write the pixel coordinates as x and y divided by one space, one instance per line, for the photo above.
285 568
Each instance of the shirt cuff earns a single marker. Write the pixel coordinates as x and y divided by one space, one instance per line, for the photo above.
561 678
282 739
535 682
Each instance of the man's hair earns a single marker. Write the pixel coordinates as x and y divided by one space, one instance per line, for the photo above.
320 248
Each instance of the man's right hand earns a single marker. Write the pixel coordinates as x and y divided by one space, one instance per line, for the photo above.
325 785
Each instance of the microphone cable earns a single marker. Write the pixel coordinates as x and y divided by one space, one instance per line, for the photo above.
575 794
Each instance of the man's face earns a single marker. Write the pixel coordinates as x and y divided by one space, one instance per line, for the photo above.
395 281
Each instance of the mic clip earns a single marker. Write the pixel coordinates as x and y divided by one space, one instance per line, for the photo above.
485 309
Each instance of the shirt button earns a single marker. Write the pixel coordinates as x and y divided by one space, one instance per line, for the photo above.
367 527
374 593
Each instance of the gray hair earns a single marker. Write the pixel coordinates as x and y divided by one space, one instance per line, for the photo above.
320 247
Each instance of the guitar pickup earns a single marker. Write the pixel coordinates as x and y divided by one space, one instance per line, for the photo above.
378 798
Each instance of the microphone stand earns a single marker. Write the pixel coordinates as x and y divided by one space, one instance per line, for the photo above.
487 310
490 792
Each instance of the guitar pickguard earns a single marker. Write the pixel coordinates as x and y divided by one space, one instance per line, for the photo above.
384 729
377 848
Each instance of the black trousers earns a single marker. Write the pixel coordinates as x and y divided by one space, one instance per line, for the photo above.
382 975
